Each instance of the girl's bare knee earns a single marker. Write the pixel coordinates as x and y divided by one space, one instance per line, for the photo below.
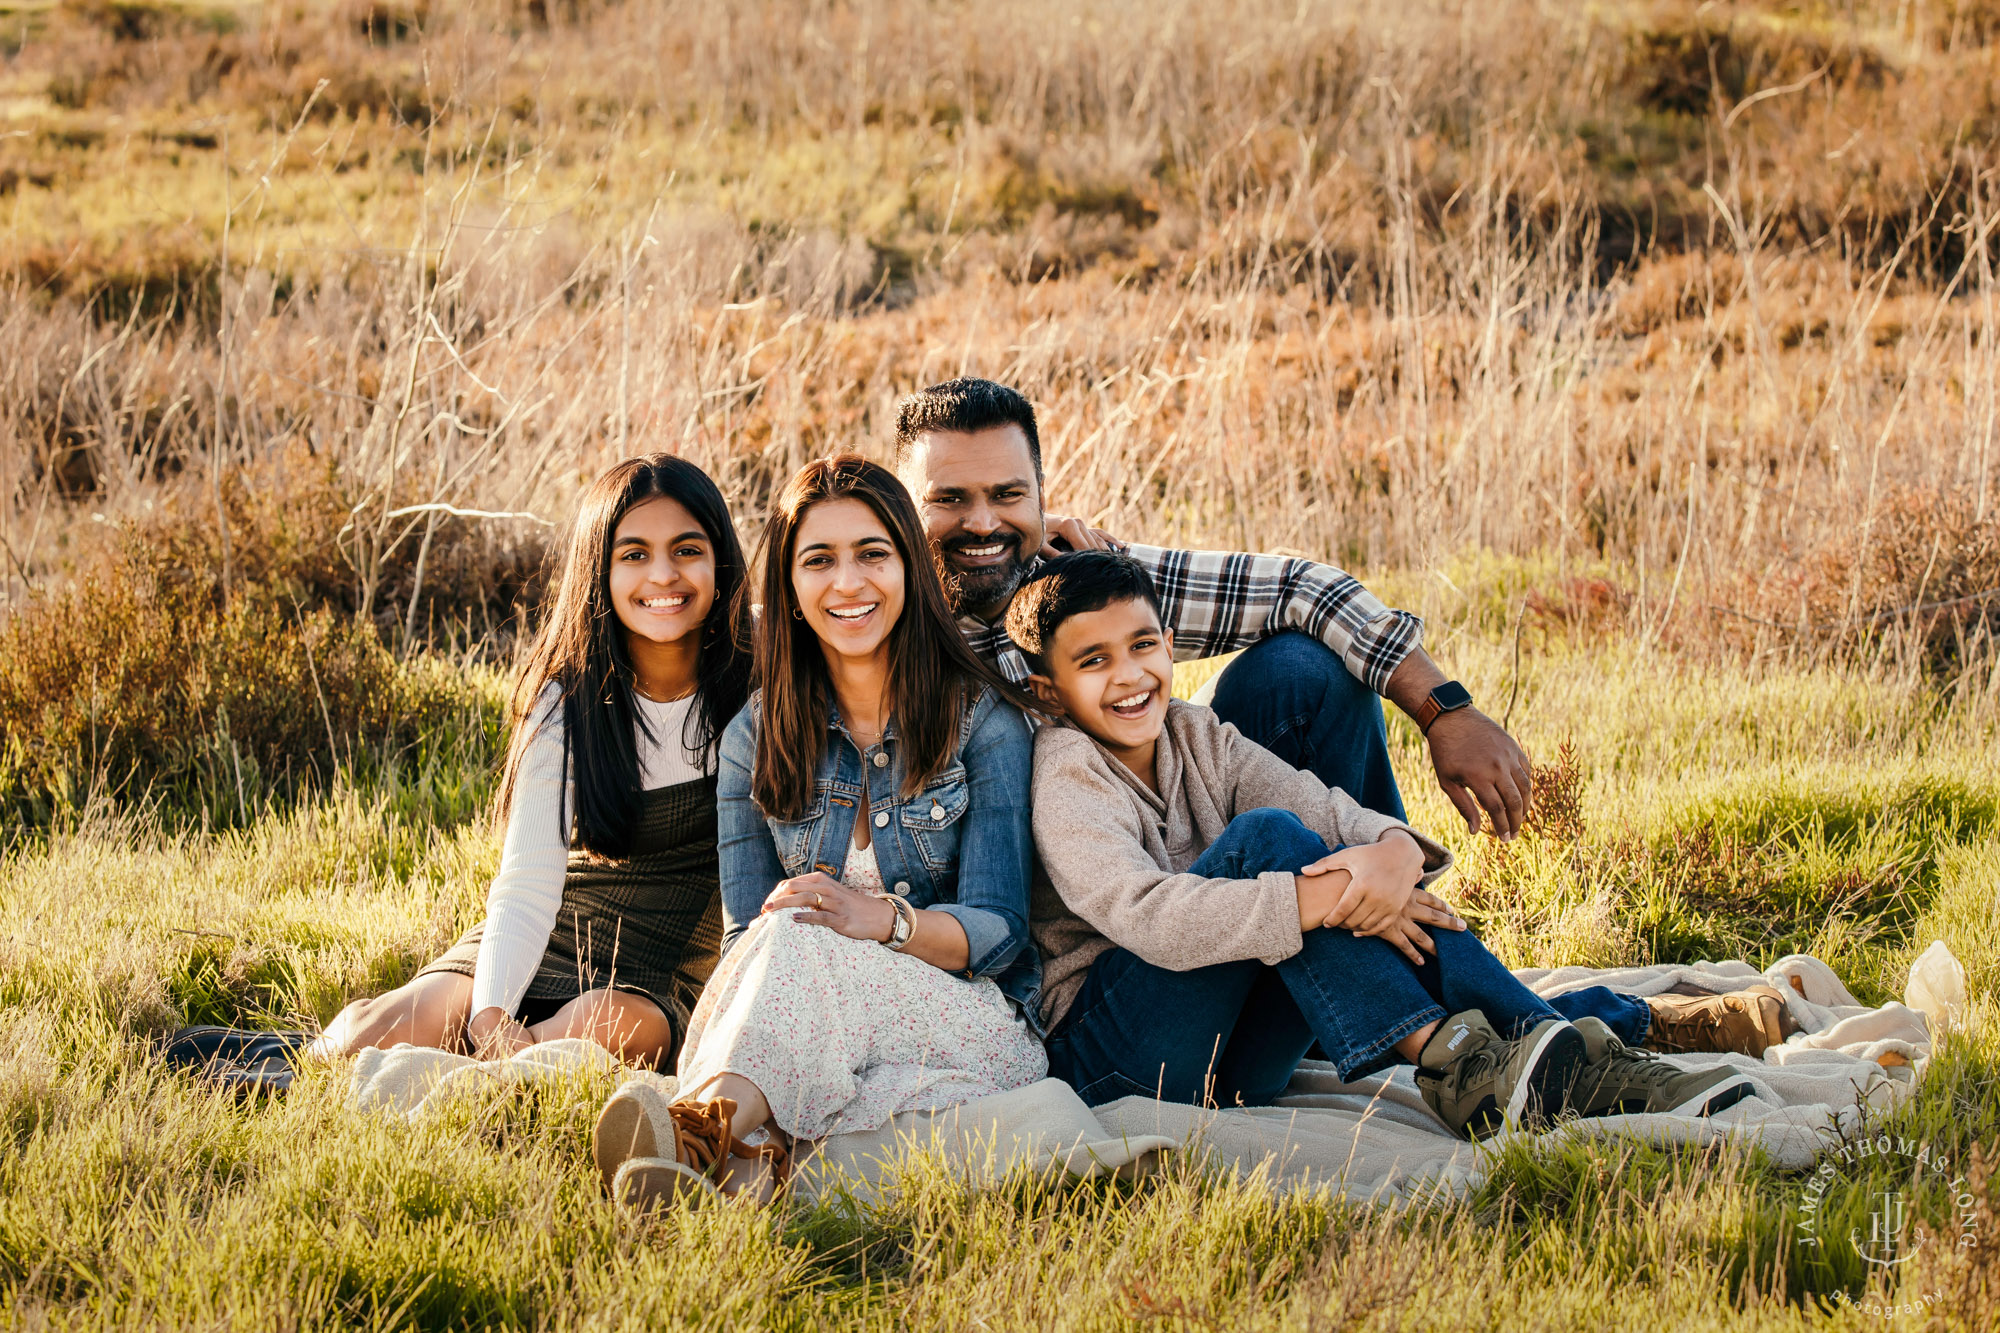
585 1016
650 1038
343 1036
630 1026
429 1011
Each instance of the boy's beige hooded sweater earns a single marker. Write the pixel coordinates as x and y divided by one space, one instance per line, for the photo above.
1116 855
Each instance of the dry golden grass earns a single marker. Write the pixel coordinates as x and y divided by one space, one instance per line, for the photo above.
1703 292
334 307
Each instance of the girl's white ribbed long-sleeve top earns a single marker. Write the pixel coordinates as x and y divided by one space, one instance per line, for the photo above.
526 895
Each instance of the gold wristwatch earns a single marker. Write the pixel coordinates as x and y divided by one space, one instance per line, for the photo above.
906 922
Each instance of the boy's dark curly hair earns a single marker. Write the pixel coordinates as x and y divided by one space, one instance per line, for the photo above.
1070 585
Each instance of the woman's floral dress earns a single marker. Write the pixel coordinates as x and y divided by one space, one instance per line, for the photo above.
842 1034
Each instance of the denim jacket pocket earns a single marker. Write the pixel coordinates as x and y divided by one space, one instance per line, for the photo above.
794 837
933 819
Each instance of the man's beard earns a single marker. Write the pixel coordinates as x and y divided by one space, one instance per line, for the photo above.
989 585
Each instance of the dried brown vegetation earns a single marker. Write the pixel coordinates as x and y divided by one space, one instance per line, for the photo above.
140 681
1697 300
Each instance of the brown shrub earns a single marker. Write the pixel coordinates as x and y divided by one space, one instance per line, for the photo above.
1667 289
381 22
1964 24
125 21
1921 579
1589 605
1690 57
1556 808
143 677
135 683
285 522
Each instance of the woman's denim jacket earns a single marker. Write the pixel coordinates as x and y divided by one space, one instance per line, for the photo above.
962 845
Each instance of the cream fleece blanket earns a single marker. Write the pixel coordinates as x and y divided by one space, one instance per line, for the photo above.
1370 1139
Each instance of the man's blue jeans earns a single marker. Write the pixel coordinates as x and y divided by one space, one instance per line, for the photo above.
1293 695
1231 1034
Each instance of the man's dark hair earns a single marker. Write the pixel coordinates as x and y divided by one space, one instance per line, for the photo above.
1071 585
964 406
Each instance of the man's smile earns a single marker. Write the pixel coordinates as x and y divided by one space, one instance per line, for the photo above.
983 551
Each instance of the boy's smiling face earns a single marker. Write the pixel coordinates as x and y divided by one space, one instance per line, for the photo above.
1110 672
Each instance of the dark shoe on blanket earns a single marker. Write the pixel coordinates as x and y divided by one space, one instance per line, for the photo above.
248 1062
1479 1083
698 1156
1622 1081
1743 1022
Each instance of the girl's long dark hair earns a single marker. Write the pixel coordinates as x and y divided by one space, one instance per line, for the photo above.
581 649
933 675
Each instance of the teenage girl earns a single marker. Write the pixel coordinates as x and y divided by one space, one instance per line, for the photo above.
605 920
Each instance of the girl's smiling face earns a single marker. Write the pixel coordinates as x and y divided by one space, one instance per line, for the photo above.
848 577
662 571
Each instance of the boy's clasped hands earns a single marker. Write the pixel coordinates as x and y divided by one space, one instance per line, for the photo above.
1372 890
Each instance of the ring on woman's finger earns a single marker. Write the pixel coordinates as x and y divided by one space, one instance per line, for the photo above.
818 901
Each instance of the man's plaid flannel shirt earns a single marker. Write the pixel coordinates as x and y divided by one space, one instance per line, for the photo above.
1216 602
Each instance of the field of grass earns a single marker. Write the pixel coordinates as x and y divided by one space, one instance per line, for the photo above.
1651 350
1721 815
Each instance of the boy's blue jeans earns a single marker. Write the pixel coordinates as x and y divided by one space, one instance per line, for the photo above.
1293 695
1232 1034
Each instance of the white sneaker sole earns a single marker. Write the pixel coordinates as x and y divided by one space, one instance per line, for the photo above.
1699 1104
624 1128
1553 1063
647 1183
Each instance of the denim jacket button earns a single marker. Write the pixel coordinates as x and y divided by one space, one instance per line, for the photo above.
902 886
937 812
882 820
881 759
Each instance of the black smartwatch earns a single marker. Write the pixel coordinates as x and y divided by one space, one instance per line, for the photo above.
1446 698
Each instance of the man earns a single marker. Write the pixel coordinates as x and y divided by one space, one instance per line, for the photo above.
1317 650
1318 646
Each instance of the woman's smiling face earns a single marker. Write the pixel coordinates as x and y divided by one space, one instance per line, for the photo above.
662 571
847 576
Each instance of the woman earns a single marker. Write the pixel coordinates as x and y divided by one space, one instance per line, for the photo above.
604 921
875 854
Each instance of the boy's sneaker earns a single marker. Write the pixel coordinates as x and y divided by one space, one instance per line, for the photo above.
1479 1083
1743 1022
1622 1081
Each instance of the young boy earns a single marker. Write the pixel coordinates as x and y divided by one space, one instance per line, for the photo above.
1215 911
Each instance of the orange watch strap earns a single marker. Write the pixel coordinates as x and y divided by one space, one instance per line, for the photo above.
1427 713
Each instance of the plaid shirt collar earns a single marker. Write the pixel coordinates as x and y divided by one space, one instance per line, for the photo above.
992 642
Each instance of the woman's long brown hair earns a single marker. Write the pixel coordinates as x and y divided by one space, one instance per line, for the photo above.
933 676
581 649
